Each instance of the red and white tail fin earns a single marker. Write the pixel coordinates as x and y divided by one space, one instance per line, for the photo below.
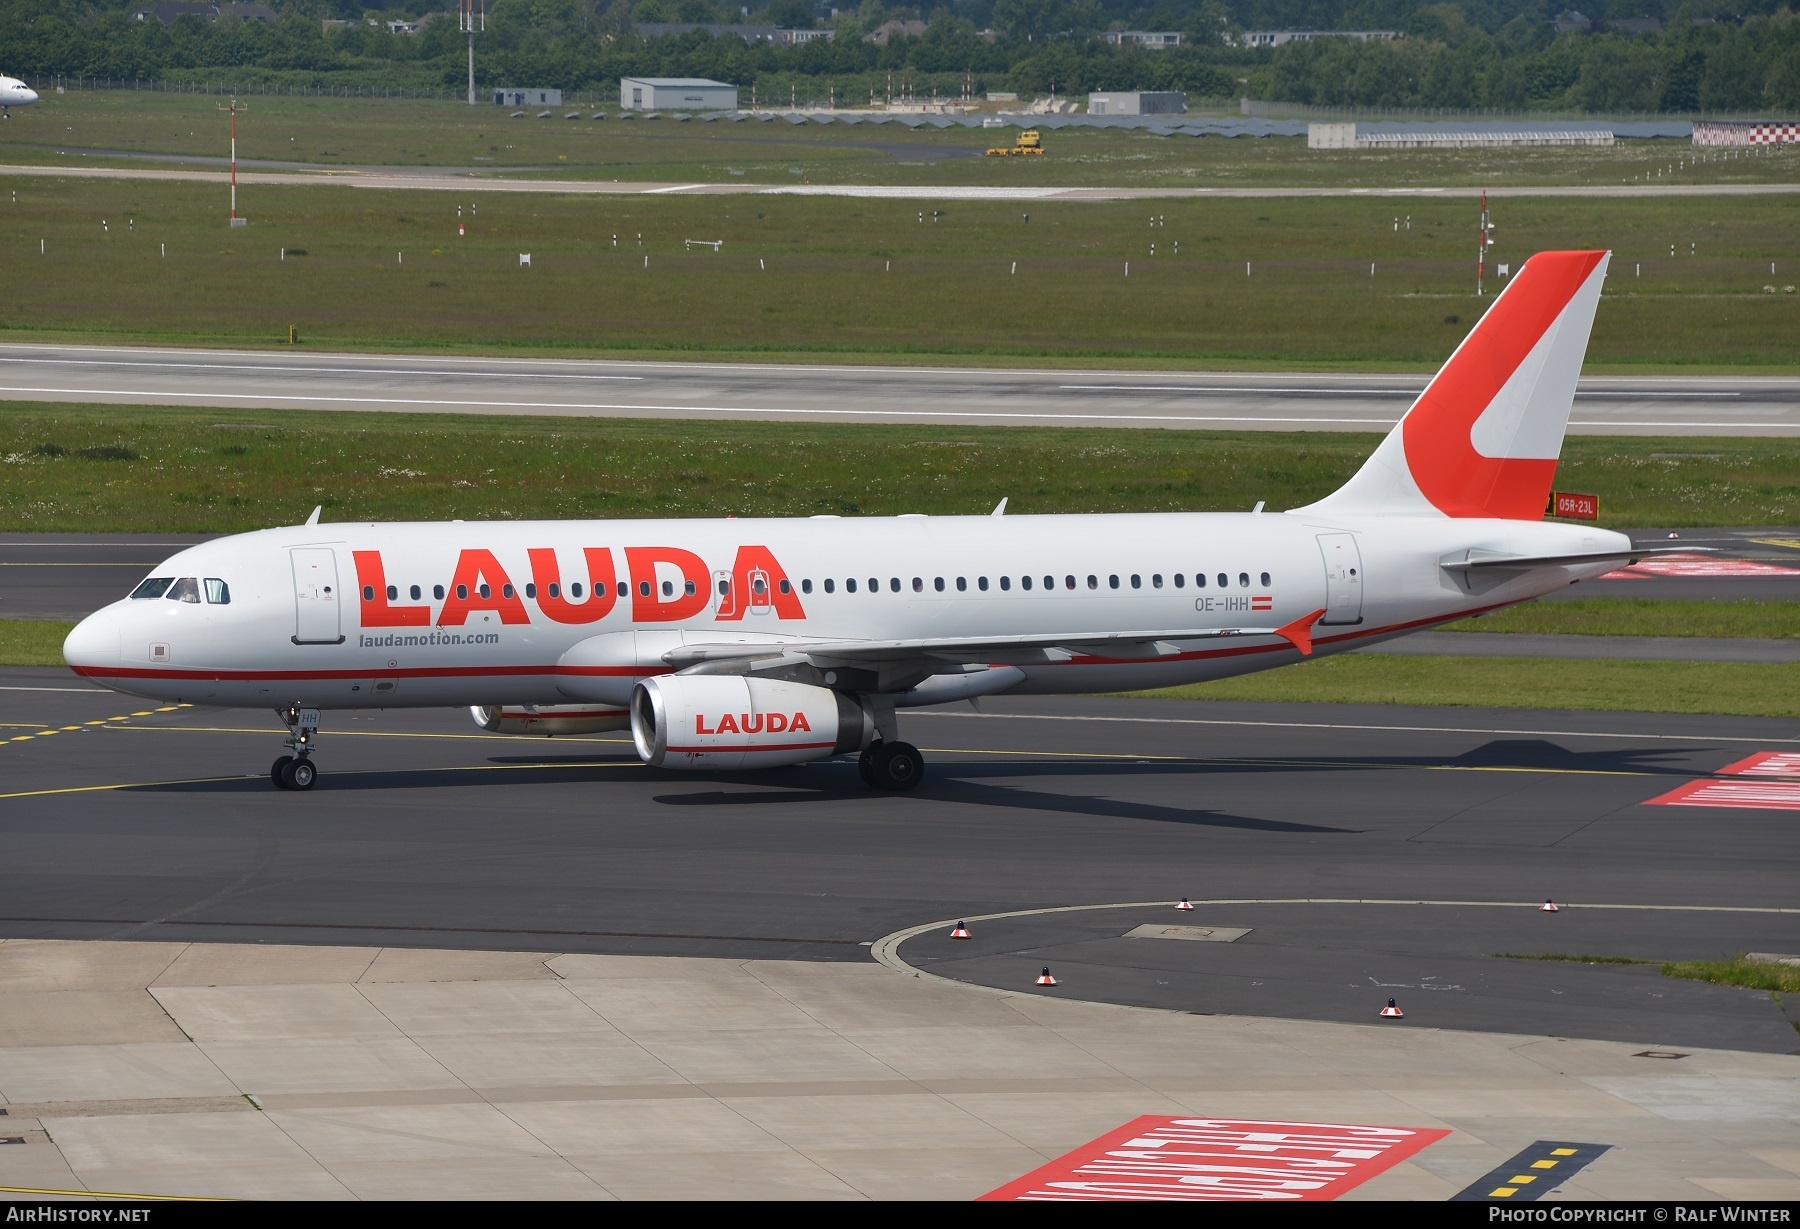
1483 438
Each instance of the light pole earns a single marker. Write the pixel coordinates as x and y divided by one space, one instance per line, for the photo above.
469 21
234 109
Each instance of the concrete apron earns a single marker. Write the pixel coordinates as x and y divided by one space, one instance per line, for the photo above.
373 1073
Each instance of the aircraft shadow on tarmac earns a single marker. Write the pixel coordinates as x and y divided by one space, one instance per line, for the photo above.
975 793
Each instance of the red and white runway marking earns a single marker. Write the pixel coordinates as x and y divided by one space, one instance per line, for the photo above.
1208 1159
1739 795
1698 566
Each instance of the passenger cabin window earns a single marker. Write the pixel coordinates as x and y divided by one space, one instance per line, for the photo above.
784 586
1266 581
217 591
981 583
484 590
1111 581
938 584
1094 582
1243 580
893 584
1005 583
962 584
805 586
849 585
437 591
1180 580
156 586
624 589
875 584
187 589
1156 581
724 587
415 592
1137 582
462 593
1068 582
369 593
1025 582
1199 580
1224 581
831 586
530 590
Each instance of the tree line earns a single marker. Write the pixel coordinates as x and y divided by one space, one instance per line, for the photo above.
1471 54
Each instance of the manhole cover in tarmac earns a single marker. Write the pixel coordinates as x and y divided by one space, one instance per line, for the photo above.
1202 934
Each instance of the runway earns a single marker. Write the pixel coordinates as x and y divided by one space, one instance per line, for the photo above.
292 381
459 179
135 821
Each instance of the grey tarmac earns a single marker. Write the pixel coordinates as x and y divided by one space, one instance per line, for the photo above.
136 821
291 381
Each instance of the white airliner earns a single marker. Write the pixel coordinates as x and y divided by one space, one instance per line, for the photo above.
732 644
14 93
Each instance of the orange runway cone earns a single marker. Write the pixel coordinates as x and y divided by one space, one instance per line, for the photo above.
961 931
1392 1012
1549 906
1044 978
1186 905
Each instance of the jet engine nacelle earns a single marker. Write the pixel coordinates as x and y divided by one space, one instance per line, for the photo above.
550 719
736 721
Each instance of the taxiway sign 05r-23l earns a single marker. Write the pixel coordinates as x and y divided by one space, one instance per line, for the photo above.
731 644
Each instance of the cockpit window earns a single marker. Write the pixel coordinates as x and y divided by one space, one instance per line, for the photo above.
187 589
156 586
219 593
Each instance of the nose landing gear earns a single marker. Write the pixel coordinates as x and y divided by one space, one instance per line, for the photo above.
297 771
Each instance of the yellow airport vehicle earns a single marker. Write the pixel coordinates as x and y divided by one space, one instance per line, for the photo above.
1029 143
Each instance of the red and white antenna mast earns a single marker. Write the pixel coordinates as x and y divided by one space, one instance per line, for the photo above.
234 109
469 21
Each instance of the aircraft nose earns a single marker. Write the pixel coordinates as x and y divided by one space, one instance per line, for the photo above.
94 643
31 96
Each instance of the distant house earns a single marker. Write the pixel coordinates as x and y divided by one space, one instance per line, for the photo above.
1280 38
403 27
1636 25
887 31
171 11
749 33
1572 22
1144 38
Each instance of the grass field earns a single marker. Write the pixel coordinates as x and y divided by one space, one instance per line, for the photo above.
115 127
154 469
1644 617
32 642
1738 971
1522 682
848 278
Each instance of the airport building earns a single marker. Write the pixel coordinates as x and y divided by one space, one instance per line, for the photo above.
527 98
676 94
1746 132
1367 138
1138 102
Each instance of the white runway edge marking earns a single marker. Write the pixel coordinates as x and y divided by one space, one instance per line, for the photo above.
886 949
1336 392
697 409
356 371
1328 725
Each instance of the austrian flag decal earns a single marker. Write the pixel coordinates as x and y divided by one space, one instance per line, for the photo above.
1207 1159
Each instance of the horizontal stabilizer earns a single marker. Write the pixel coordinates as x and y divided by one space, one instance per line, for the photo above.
1473 560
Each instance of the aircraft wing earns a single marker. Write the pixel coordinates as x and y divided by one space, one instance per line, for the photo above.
988 650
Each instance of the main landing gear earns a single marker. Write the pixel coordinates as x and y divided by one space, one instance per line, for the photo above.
297 771
891 766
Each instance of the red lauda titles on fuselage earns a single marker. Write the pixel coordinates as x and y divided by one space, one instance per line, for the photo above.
481 585
755 723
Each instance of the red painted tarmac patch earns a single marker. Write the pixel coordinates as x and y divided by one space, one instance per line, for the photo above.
1765 764
1157 1157
1697 565
1740 794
